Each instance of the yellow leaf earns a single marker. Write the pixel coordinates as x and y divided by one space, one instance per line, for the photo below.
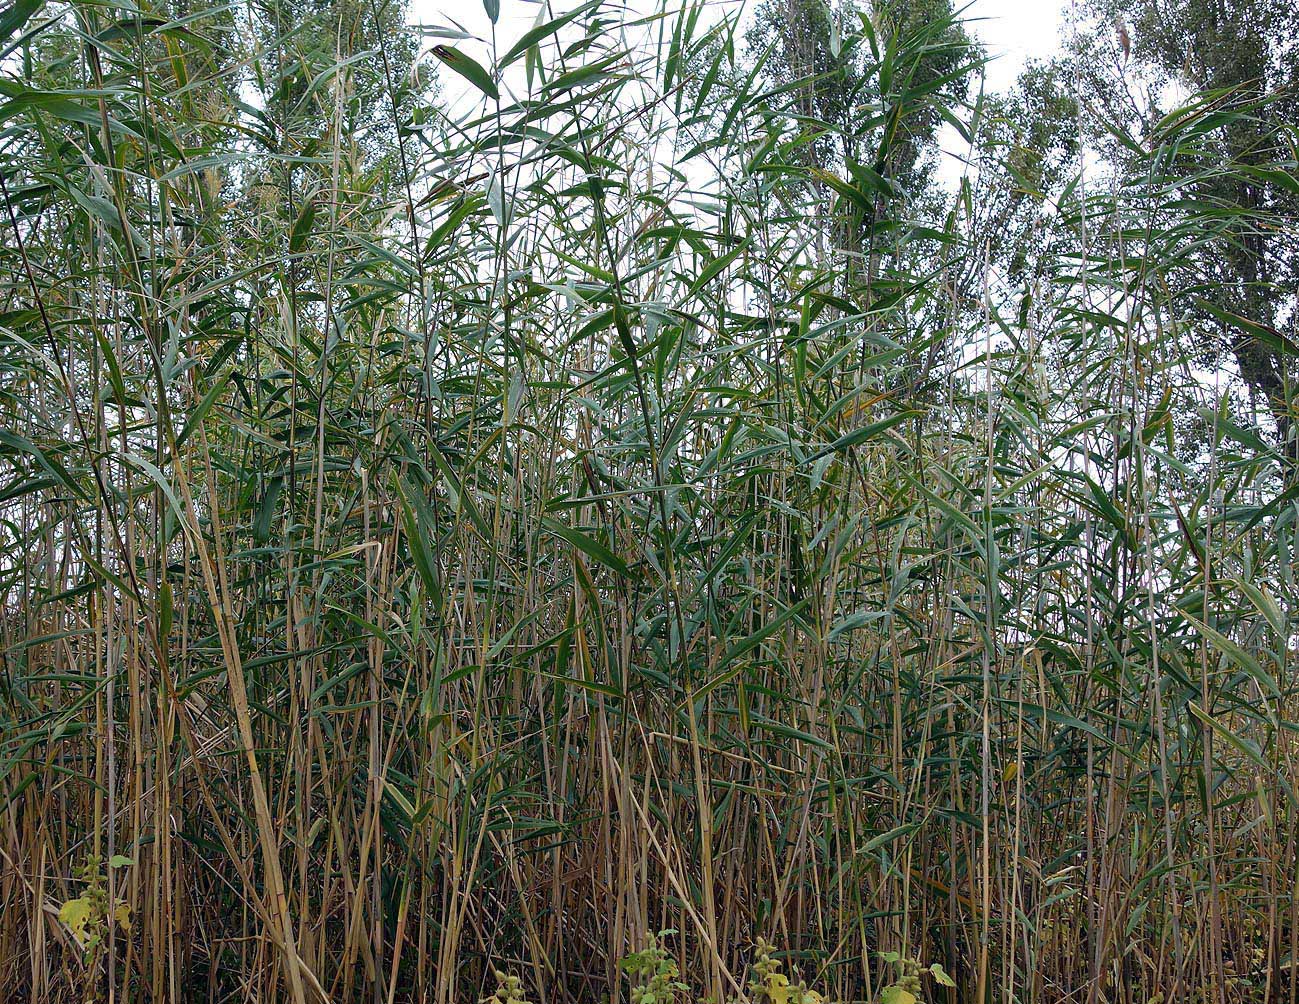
940 975
1011 769
122 914
75 913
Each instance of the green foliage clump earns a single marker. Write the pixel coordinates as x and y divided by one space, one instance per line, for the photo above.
509 990
654 974
909 985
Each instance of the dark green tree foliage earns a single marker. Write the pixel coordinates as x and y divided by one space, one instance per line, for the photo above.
871 86
1028 151
829 56
1243 59
317 45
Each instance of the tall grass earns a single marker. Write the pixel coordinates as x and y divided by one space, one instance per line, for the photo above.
450 536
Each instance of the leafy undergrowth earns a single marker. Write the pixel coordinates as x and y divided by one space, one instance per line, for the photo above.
655 978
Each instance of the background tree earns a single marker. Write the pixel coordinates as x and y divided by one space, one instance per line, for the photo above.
871 84
1137 61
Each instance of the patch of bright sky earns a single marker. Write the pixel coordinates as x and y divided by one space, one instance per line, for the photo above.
1014 31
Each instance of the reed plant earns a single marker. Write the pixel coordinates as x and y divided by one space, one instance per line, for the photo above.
450 531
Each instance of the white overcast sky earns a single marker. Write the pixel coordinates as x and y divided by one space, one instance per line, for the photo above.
1013 30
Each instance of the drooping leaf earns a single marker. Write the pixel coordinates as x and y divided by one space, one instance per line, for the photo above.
468 68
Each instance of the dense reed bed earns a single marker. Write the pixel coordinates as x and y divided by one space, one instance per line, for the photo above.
468 531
